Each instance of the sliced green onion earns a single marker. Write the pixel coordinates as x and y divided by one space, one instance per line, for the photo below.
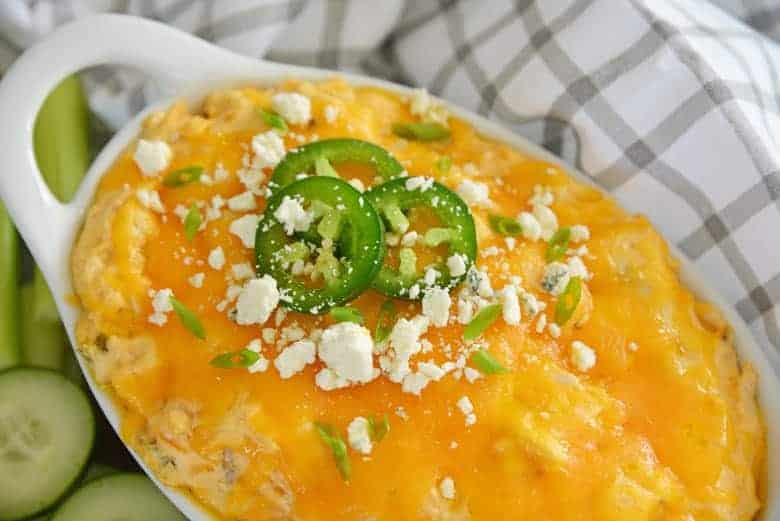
398 221
274 120
486 363
330 225
337 447
407 263
505 225
183 176
481 322
242 358
558 244
443 164
378 429
346 314
421 131
323 167
568 301
384 322
188 318
192 222
436 236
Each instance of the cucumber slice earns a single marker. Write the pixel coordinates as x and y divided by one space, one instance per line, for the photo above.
47 430
127 496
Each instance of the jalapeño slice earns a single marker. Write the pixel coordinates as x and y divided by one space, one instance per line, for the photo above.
342 247
394 202
303 159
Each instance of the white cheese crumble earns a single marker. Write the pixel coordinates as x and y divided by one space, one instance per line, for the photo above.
196 281
471 374
292 216
579 233
244 228
243 202
474 193
431 274
268 148
457 265
328 380
357 184
547 220
577 268
436 305
556 278
161 304
419 183
150 199
510 305
424 106
216 258
294 358
152 157
405 342
447 488
242 271
554 330
467 408
332 113
414 383
532 230
261 365
409 239
542 195
257 300
346 348
293 107
582 356
251 179
359 435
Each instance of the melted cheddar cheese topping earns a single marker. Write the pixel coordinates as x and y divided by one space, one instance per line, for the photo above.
636 409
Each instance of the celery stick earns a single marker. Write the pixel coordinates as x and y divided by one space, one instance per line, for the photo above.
10 344
43 341
61 140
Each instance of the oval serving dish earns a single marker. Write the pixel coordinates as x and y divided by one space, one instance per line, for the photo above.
194 68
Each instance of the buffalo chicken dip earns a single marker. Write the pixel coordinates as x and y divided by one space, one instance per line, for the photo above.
324 302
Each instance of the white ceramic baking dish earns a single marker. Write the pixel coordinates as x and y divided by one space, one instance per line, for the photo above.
192 67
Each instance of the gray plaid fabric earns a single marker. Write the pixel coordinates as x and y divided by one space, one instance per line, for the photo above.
671 105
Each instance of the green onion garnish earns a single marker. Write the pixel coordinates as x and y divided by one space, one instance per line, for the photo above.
274 120
378 428
323 167
242 358
346 314
486 363
183 176
192 222
481 322
505 225
421 131
384 322
568 301
558 244
337 447
443 164
188 318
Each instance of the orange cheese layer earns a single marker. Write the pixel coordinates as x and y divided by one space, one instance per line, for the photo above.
664 426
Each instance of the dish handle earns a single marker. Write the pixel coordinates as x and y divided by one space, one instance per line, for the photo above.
168 55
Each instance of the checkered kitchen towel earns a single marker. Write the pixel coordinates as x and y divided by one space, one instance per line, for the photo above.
672 105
